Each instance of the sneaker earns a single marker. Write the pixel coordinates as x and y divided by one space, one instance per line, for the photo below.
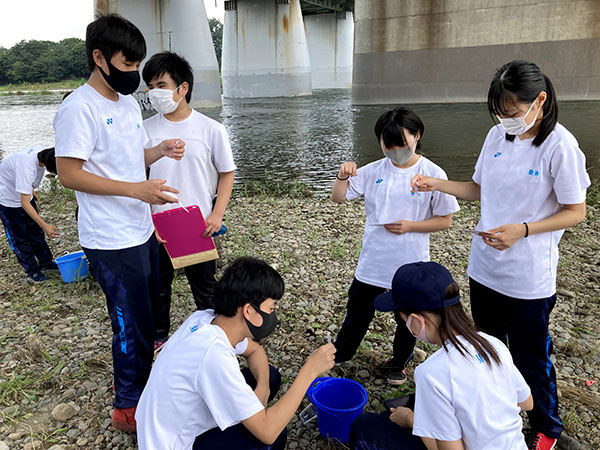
124 419
49 267
158 345
37 277
396 377
539 441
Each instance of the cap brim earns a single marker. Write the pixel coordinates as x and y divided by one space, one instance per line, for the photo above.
384 302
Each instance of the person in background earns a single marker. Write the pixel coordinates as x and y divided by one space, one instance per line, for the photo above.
468 393
208 171
102 153
531 180
397 228
20 175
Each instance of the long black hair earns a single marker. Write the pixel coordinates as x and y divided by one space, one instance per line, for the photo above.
455 322
389 127
521 82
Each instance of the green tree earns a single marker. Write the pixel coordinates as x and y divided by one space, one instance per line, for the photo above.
216 30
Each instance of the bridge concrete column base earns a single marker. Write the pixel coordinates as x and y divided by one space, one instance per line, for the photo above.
181 27
330 40
265 53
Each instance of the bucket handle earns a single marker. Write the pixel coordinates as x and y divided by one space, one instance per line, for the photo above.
309 391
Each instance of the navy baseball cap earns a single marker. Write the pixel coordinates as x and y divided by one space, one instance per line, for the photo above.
419 286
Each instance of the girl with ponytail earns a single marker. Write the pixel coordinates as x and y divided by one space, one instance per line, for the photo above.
468 394
531 180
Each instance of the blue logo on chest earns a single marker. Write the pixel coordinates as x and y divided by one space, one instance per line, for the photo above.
109 121
380 180
497 154
533 173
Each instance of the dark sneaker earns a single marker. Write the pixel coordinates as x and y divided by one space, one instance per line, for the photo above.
539 441
37 277
396 377
49 267
124 419
158 345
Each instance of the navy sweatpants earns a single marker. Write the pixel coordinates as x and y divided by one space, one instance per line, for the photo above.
523 325
26 238
238 437
129 278
377 432
359 313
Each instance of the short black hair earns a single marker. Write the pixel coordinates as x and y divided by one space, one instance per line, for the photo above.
389 126
110 34
170 63
246 280
521 82
48 159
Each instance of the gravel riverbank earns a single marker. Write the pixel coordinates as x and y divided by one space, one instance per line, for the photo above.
55 361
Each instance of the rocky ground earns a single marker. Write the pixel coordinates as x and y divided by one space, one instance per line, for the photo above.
55 361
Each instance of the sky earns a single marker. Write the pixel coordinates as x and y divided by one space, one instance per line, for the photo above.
56 20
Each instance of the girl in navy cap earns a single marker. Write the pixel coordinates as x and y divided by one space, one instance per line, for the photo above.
531 180
468 393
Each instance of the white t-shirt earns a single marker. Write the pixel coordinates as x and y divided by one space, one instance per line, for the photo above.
388 198
522 183
195 385
207 153
461 397
20 173
110 138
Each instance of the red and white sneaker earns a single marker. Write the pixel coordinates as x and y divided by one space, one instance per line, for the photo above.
124 419
539 441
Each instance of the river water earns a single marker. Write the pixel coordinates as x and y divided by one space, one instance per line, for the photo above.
307 138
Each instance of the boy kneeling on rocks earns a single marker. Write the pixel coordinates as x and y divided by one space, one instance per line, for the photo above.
197 397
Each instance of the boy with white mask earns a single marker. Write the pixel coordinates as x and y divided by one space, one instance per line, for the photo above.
396 230
207 171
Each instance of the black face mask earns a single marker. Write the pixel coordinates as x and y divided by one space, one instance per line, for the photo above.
267 327
123 82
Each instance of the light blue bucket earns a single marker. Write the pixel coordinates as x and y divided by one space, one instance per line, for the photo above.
73 267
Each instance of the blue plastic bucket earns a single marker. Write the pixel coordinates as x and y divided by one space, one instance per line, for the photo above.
338 401
73 267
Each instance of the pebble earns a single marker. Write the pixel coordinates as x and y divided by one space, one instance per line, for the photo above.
63 412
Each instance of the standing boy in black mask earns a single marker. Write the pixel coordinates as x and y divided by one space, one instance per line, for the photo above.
101 154
197 397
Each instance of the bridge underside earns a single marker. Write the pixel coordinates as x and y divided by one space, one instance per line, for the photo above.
311 7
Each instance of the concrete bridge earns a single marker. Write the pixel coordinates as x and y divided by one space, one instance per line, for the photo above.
388 51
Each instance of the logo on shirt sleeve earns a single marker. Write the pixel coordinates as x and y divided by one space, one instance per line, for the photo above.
194 328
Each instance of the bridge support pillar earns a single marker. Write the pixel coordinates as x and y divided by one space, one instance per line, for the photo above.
265 53
181 27
330 41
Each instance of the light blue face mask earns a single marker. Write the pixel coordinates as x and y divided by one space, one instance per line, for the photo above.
401 155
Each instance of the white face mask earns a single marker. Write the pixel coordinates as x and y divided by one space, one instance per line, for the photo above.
516 125
421 336
162 100
401 155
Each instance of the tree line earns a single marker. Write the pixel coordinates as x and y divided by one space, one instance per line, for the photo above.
47 61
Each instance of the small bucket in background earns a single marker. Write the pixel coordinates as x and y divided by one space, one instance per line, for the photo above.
338 401
73 267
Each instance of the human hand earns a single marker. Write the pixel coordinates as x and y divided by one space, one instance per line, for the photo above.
399 227
151 191
423 183
504 236
173 148
321 360
158 238
51 231
262 392
35 196
213 224
348 169
402 416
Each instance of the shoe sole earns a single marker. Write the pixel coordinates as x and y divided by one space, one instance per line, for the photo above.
397 382
126 427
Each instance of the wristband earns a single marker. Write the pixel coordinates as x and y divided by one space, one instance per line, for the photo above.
526 229
342 179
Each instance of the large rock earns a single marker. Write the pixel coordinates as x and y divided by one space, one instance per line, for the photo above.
63 412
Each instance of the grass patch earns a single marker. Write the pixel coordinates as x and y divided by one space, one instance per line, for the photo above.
41 88
277 189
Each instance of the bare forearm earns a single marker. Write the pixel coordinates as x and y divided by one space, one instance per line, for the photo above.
466 190
437 223
31 212
338 192
83 181
152 154
259 367
224 189
567 217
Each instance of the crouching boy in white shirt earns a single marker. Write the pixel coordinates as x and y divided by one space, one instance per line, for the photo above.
197 397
